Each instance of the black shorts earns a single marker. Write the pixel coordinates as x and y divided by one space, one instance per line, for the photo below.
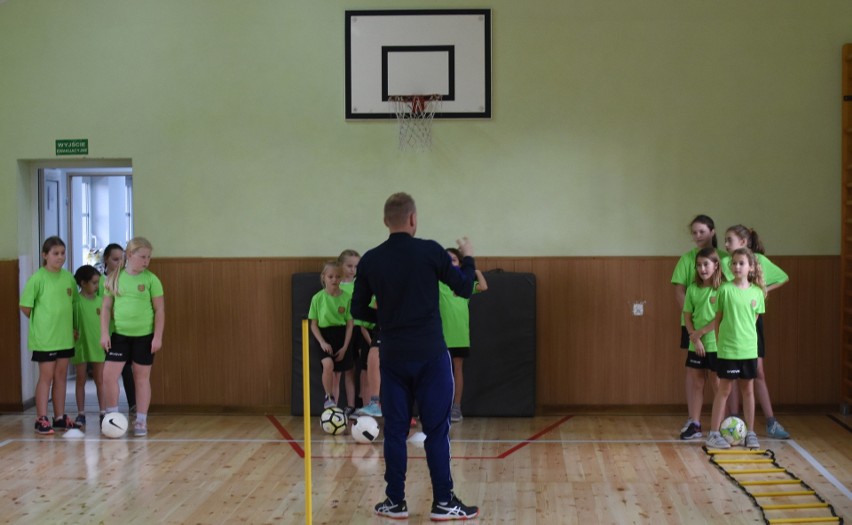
462 352
335 336
356 342
131 348
365 349
684 338
708 362
736 368
46 357
761 345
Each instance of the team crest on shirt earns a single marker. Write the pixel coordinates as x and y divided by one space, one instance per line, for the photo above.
98 311
69 292
141 287
341 309
754 303
713 300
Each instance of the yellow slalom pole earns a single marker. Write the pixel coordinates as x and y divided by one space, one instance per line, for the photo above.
306 415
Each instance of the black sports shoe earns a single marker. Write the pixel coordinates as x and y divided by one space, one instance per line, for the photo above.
63 423
693 431
42 426
453 510
389 509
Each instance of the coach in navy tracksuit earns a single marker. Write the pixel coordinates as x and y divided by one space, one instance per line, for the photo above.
403 273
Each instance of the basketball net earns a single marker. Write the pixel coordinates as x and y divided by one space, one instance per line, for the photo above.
414 114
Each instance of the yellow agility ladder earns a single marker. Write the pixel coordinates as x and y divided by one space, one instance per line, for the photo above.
774 489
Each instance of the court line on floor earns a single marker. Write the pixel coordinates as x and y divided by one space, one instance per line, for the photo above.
149 439
839 422
819 468
534 437
296 444
519 444
283 431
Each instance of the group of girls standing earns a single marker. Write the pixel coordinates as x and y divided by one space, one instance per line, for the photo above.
722 298
343 341
93 320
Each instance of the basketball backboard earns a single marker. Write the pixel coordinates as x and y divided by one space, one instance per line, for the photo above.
418 52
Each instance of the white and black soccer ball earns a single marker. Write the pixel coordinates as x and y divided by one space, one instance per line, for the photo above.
365 430
333 421
114 425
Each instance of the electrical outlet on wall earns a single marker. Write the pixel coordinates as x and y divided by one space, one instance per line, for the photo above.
639 308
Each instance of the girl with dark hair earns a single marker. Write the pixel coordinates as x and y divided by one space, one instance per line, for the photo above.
87 347
48 302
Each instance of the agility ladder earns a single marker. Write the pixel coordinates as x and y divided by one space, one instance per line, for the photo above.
773 488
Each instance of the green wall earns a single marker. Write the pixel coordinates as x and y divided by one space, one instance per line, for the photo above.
614 122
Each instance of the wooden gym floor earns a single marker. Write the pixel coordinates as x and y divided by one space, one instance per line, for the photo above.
583 469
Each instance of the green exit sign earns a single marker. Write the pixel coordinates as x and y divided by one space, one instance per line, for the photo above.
72 147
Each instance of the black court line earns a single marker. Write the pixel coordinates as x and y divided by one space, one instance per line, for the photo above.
839 422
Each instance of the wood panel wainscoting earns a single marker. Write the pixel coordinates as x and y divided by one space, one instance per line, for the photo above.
228 337
10 338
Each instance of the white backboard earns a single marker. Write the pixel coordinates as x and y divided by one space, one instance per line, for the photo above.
418 52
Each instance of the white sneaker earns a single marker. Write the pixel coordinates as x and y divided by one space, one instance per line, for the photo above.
751 440
715 440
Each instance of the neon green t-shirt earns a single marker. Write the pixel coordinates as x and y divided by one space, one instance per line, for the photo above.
132 308
51 297
737 333
700 301
101 291
772 274
87 319
349 288
455 317
330 310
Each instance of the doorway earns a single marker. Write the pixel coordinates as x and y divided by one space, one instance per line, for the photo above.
88 204
88 208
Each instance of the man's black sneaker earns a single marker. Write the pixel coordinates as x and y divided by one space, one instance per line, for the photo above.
453 510
389 509
693 431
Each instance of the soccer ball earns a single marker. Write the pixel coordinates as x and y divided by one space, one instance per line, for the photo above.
365 430
114 425
733 429
333 421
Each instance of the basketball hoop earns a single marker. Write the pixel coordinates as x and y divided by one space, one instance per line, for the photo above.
414 114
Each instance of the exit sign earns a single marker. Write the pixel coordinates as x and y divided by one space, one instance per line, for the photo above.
72 147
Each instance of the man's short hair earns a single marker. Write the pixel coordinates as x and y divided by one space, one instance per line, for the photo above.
398 208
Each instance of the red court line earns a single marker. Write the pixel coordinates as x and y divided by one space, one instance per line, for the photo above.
286 435
534 437
512 450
